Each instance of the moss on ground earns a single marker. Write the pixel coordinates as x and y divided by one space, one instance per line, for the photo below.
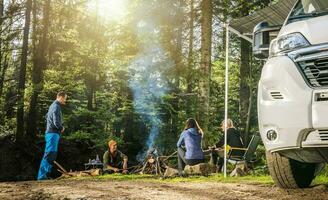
250 179
264 179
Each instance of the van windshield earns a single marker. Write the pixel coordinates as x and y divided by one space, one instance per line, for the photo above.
305 9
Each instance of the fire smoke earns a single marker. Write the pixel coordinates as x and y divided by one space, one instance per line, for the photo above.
147 81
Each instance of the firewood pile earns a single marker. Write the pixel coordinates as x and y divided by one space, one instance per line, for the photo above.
90 172
153 163
66 174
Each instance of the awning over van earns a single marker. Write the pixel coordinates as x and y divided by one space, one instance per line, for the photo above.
275 15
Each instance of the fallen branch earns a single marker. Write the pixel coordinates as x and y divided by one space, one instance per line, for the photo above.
61 171
168 157
60 167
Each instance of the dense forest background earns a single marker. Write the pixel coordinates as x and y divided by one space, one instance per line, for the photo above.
134 70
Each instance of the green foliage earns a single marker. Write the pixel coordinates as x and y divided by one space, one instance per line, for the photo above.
79 135
94 60
321 178
5 131
99 141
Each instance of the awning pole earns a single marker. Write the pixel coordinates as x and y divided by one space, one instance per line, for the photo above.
226 99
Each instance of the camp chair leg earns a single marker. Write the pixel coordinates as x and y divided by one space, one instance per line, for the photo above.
253 168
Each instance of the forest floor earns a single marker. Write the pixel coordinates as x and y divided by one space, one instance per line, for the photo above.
147 187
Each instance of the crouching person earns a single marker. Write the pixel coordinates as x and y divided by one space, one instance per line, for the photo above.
189 146
114 160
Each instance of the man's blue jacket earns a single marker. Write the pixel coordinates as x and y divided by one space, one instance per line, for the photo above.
54 118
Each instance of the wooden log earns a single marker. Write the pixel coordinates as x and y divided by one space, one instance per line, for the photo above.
159 168
171 172
203 169
240 170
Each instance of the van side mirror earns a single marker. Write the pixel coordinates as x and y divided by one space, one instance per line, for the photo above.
261 40
262 36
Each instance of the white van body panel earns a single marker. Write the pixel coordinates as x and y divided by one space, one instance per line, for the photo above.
315 30
287 104
287 115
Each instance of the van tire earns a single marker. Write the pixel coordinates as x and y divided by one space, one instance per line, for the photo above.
289 173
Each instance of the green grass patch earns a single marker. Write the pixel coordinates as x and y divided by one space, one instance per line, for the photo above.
321 179
250 179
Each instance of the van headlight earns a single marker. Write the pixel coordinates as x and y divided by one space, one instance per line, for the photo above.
287 43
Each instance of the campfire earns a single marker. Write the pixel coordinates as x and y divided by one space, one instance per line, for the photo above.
152 164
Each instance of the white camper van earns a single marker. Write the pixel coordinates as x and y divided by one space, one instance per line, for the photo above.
293 93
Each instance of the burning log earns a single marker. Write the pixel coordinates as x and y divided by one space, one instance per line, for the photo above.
152 164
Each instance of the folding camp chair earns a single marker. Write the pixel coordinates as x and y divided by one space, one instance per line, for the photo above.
249 155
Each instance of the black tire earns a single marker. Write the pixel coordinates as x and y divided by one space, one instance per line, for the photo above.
289 173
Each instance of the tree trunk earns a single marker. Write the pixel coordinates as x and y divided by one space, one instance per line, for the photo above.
205 65
178 68
223 13
22 73
177 48
90 80
90 99
3 74
1 54
39 65
190 66
244 88
9 102
248 120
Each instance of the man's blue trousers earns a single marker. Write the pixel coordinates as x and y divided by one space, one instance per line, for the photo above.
50 154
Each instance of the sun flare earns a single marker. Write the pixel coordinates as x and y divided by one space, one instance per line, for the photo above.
109 9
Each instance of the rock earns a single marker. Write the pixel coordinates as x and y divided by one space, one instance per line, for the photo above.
203 169
170 172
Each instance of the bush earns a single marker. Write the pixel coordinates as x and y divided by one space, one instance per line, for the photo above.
6 132
79 135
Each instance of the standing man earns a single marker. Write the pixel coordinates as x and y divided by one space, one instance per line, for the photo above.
114 160
53 131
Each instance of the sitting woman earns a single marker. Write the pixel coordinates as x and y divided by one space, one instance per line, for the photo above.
189 145
233 140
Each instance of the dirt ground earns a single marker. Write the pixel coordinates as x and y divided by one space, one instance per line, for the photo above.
121 190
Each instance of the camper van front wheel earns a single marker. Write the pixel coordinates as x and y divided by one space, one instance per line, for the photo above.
289 173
